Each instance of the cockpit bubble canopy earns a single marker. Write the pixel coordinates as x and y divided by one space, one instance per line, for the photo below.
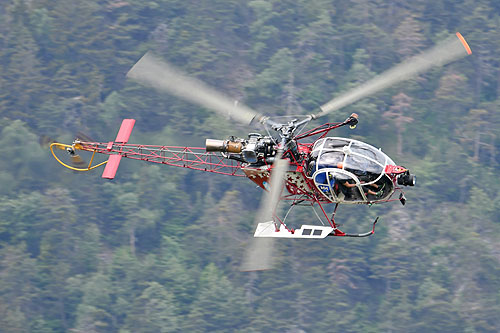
342 158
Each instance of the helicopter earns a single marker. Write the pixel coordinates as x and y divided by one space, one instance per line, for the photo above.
291 164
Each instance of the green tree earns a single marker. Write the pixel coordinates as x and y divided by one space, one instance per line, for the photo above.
434 312
62 255
20 67
154 311
92 312
17 216
271 81
265 33
396 113
454 96
359 73
21 157
409 37
19 289
219 306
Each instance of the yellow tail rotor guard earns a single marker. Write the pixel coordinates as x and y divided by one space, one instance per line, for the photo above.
76 146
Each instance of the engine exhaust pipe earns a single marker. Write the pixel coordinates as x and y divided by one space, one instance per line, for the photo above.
224 146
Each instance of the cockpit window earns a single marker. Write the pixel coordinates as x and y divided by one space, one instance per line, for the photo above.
346 188
333 143
342 186
337 185
378 190
362 167
368 151
318 144
330 159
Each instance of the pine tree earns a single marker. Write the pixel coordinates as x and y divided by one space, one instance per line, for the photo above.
219 306
21 76
154 311
409 38
19 289
92 312
433 311
396 113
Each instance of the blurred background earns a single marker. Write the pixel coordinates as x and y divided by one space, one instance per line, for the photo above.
158 248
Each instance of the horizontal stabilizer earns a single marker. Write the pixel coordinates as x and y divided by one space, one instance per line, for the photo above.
125 130
121 139
268 229
111 166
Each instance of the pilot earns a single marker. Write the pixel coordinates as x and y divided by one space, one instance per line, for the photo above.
377 194
350 185
311 167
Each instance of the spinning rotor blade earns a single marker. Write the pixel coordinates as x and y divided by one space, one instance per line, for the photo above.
445 52
153 72
259 253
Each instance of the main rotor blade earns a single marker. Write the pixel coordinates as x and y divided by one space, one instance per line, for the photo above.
445 52
259 253
153 72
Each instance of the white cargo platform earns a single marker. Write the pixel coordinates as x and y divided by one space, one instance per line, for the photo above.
268 229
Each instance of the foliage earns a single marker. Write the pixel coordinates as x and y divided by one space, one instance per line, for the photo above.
158 249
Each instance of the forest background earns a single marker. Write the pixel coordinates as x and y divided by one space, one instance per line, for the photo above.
158 248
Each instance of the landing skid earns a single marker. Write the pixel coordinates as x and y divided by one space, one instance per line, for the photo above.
268 230
337 232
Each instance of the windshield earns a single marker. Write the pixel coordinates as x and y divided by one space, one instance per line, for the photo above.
331 159
368 152
362 167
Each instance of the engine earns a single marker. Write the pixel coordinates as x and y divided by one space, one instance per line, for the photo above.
257 149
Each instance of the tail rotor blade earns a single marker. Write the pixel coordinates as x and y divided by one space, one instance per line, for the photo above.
84 137
77 161
445 52
45 141
259 254
153 72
